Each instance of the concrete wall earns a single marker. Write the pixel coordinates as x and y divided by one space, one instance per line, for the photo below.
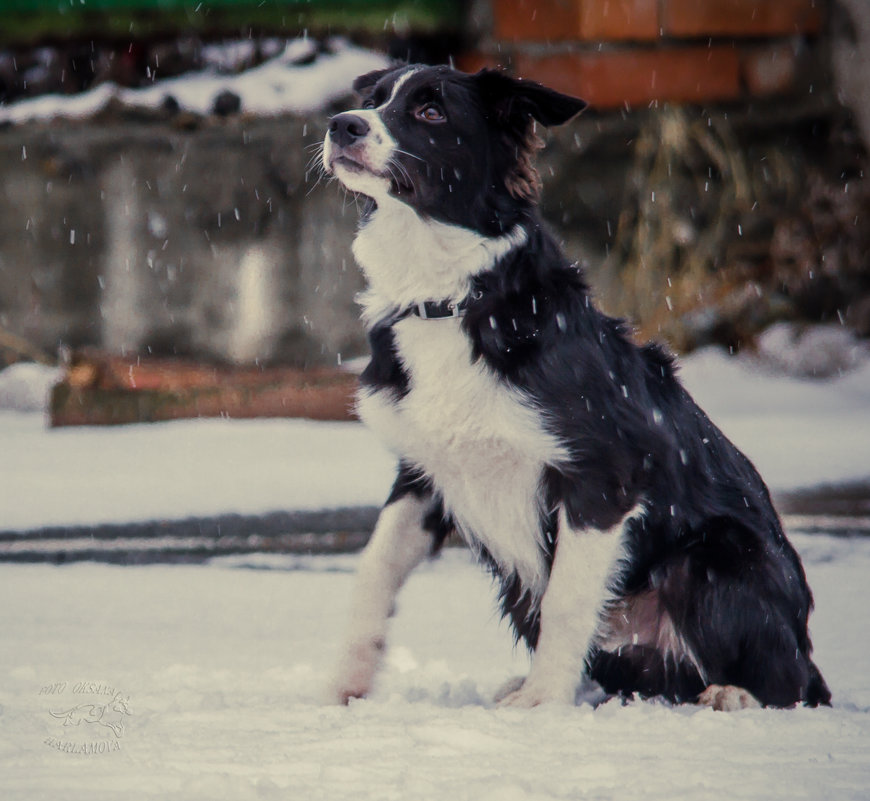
135 236
203 238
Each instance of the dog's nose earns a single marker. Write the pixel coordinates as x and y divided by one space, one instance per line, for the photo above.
345 129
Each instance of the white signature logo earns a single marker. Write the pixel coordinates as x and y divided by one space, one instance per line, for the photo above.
110 714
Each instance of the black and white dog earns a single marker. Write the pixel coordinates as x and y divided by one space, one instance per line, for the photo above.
634 544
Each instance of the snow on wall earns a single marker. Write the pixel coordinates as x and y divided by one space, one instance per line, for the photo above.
285 83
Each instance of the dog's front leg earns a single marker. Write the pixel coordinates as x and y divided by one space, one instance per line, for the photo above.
585 563
399 543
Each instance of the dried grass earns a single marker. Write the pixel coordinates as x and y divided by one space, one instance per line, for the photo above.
689 188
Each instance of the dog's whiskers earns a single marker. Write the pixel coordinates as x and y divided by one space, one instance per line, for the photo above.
399 173
406 153
317 155
315 164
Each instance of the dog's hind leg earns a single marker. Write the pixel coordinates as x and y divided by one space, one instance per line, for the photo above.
399 543
740 603
584 566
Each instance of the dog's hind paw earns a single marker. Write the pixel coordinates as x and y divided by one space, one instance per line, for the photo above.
728 698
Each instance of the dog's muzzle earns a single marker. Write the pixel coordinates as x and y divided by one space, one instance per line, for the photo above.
357 150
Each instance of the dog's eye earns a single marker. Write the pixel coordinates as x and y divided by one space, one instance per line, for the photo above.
369 103
430 113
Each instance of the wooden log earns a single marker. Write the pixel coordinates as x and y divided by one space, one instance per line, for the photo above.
100 389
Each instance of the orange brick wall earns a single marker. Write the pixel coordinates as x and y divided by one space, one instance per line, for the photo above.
618 53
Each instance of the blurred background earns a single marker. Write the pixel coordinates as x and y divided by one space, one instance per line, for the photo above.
160 197
168 249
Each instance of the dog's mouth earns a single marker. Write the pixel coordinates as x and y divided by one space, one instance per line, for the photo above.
400 185
349 163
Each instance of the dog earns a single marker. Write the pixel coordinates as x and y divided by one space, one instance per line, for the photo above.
634 545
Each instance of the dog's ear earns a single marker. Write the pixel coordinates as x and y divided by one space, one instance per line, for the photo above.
506 97
367 81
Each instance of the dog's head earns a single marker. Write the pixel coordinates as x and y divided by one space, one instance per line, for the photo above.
455 147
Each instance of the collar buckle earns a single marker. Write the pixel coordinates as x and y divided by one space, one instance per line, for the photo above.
439 310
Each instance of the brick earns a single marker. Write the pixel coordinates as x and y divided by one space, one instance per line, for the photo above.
619 20
536 20
562 72
769 70
474 60
637 77
701 18
563 20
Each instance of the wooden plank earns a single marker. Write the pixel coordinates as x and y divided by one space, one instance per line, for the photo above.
101 389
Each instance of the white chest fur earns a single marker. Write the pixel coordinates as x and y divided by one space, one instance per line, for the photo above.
481 444
408 260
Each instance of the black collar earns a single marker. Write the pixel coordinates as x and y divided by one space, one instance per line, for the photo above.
436 309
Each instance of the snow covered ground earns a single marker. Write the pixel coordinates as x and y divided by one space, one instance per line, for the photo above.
799 432
80 476
221 669
210 676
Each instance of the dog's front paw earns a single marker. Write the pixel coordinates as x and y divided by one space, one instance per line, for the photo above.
508 688
533 693
342 689
356 671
